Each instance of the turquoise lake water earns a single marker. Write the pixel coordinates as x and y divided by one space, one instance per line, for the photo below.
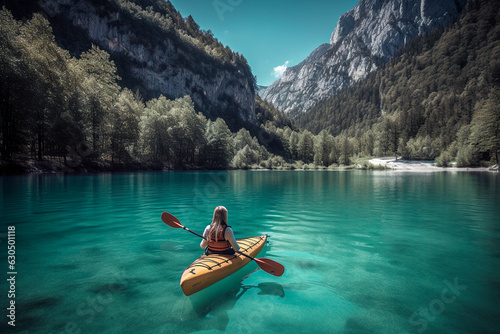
365 252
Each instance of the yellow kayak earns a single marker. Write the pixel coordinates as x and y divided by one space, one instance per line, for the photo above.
209 269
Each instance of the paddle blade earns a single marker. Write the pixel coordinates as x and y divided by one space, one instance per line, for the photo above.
270 266
171 220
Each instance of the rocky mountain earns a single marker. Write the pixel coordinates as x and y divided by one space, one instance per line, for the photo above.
261 89
365 37
156 51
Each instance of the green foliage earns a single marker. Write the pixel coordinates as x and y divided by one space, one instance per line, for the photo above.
218 151
434 102
417 103
13 106
172 132
389 137
266 112
367 143
346 150
274 162
293 145
444 159
248 150
422 148
102 90
150 25
305 147
125 128
245 158
467 156
485 127
77 110
325 149
37 81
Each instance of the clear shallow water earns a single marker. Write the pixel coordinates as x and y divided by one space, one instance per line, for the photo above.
365 252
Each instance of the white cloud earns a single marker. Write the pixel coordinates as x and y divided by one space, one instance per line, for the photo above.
279 70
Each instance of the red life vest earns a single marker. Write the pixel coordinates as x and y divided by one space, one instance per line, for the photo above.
221 245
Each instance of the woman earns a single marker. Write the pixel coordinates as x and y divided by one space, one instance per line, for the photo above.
218 236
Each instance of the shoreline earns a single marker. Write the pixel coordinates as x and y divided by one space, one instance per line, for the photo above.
48 166
422 166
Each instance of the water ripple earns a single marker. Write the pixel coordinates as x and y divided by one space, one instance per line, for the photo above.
363 251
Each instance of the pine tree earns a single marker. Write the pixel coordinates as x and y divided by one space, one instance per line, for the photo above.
219 144
306 147
485 127
324 149
101 88
125 126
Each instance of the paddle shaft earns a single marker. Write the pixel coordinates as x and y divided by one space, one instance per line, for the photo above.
184 227
241 253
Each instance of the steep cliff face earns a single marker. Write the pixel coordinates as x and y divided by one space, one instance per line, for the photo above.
162 64
365 37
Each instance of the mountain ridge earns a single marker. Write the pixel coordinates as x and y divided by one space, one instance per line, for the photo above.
158 52
364 38
437 99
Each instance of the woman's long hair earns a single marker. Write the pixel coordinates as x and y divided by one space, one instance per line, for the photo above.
218 222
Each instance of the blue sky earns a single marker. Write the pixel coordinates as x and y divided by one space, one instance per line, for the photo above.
269 33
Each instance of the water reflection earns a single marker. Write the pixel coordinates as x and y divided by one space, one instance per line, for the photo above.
211 307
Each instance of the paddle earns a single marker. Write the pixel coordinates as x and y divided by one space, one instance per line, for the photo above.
269 266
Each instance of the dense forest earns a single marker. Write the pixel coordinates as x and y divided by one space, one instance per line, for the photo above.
152 22
70 114
155 50
62 110
439 99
